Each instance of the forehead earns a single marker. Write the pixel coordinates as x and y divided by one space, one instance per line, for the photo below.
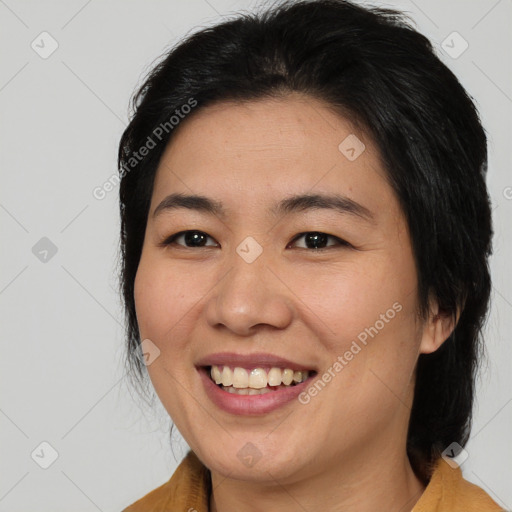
264 148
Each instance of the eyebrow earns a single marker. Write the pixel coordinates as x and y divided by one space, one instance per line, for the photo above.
294 204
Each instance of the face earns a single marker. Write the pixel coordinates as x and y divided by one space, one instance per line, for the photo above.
329 287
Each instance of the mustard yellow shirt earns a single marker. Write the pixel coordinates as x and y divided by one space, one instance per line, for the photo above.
189 488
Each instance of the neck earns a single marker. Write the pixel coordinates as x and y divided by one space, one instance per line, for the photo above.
383 484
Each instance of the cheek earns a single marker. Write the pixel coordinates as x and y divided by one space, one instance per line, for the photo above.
348 301
164 303
163 297
368 317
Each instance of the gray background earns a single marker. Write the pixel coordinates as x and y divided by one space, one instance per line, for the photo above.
62 378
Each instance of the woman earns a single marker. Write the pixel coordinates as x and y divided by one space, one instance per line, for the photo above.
305 240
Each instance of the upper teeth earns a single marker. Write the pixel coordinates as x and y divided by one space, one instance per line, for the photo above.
256 378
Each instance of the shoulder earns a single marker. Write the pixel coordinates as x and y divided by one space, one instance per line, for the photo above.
188 488
448 491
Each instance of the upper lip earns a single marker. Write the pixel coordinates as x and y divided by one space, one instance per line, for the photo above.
251 361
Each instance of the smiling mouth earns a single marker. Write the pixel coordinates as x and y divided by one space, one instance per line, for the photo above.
256 381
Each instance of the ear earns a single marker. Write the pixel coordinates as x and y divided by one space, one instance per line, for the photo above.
437 328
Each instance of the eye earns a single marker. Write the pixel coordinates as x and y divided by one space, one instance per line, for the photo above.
191 238
314 240
317 240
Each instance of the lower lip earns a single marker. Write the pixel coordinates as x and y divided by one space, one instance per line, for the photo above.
250 405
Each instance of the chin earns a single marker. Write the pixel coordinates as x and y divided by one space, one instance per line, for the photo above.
256 461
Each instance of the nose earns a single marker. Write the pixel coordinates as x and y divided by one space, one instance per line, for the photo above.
250 295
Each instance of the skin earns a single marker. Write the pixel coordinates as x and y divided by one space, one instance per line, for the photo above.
345 449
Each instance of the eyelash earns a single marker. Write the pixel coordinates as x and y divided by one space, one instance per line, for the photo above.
340 242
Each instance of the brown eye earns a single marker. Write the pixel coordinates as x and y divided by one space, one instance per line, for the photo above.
191 239
317 240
